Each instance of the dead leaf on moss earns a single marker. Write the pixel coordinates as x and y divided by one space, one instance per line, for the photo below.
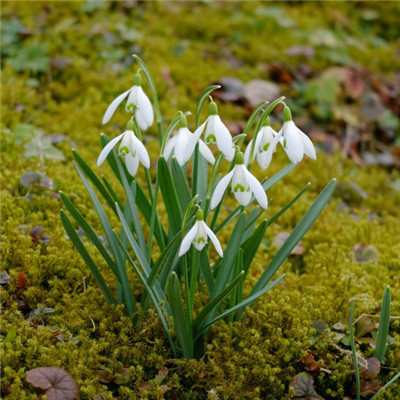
4 277
258 90
303 385
58 384
368 388
365 252
372 370
281 238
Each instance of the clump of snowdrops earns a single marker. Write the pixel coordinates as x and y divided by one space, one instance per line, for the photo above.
173 261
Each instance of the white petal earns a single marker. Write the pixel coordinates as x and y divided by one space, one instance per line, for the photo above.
224 138
309 149
257 189
206 152
214 240
294 145
145 107
107 148
169 147
132 164
247 152
142 153
180 151
133 97
113 106
220 189
188 239
201 236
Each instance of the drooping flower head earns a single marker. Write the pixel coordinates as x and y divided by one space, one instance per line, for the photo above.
295 142
244 185
137 102
216 132
265 145
183 145
198 236
130 148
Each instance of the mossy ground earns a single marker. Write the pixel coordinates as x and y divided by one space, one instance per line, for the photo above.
181 43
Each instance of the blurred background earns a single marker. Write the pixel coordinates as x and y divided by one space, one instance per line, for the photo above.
338 63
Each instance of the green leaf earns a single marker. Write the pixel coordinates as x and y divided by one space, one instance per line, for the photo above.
250 300
377 394
151 292
183 331
353 349
90 233
76 240
127 293
94 179
180 183
251 245
278 176
32 58
170 197
298 232
209 307
383 331
203 97
231 251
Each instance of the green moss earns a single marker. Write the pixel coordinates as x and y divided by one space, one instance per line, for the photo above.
254 359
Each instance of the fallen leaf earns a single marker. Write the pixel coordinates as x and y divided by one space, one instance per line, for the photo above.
306 51
4 278
258 90
279 73
303 385
281 238
365 325
35 232
368 388
61 62
232 89
21 280
365 252
58 384
36 179
372 370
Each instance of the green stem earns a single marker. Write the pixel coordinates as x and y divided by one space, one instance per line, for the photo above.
353 349
189 307
194 273
195 170
153 219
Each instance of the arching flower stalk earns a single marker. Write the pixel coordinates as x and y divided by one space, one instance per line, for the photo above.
182 145
137 102
216 132
198 236
130 148
295 142
244 185
264 147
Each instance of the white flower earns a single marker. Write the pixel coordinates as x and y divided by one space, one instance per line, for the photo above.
266 141
294 141
198 236
143 109
216 132
131 148
183 145
244 184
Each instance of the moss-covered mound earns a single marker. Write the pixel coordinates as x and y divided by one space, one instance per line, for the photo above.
63 62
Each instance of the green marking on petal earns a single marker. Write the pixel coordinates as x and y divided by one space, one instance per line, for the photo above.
264 148
123 151
238 187
210 138
200 240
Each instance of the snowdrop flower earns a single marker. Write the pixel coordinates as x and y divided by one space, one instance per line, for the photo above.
265 146
183 145
244 184
198 236
294 141
138 101
131 148
216 132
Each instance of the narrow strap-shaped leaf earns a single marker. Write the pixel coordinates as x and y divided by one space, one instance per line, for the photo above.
94 179
231 252
203 97
90 233
183 331
288 205
278 176
250 300
383 330
215 302
130 190
180 184
206 271
298 232
353 350
252 244
141 257
169 194
251 222
119 258
76 240
238 266
377 394
153 297
111 190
